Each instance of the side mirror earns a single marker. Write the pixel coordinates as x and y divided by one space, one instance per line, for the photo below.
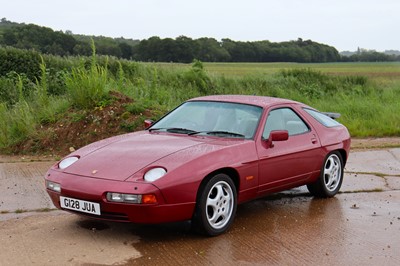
277 135
148 123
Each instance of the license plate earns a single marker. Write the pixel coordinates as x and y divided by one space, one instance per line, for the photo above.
80 205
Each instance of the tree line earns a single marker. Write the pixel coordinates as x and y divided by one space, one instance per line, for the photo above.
181 49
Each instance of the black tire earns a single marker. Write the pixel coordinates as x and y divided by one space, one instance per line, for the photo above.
216 206
330 180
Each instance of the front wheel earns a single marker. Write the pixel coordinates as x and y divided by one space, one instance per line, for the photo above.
216 206
331 177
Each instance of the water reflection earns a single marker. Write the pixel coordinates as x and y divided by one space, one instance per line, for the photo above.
285 230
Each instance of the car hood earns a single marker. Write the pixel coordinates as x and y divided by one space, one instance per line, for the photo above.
119 159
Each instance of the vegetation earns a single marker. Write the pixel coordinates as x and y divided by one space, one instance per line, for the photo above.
181 49
47 41
184 49
39 100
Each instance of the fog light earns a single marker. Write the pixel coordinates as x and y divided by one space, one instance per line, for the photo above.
53 186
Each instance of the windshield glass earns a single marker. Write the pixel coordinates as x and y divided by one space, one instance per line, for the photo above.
212 118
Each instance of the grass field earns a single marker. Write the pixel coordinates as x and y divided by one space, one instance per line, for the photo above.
386 69
384 73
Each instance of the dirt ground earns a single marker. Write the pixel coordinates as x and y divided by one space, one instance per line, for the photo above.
374 143
360 226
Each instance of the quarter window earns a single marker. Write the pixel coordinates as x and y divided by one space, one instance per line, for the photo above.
323 119
284 119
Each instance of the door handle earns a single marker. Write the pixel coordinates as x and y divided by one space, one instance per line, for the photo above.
314 139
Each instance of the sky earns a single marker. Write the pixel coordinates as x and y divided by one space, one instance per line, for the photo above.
344 24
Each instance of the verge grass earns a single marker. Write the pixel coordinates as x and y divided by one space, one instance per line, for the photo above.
20 120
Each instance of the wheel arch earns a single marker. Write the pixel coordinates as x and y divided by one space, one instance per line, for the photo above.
344 155
231 172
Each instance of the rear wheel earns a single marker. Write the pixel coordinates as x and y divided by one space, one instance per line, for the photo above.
216 206
331 177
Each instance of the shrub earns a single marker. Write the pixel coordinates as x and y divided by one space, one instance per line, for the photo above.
20 61
14 86
315 85
197 77
8 91
87 87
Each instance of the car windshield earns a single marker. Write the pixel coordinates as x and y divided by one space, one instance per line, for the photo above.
220 119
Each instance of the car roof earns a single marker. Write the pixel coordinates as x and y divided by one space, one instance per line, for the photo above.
263 101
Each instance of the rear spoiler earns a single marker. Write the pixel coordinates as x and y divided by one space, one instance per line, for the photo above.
332 115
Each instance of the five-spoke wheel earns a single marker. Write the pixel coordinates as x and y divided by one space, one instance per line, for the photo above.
216 206
332 172
331 177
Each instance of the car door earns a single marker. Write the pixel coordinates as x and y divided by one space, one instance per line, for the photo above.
289 162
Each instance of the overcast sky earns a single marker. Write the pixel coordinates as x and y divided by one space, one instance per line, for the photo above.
344 24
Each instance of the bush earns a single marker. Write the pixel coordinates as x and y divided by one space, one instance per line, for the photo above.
15 86
198 78
8 91
20 61
315 85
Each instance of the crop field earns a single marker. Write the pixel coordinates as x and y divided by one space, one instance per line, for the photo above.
368 69
384 73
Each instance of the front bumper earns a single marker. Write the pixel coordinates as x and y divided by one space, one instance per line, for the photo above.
95 190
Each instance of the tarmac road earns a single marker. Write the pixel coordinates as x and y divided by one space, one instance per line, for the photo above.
360 226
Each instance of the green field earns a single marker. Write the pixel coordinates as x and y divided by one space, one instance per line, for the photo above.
391 69
385 73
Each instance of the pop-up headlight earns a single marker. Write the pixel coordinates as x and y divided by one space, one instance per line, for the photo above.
67 162
154 174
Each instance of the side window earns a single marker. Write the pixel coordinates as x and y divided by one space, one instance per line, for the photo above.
284 119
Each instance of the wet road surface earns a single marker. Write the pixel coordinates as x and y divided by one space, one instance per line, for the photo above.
360 226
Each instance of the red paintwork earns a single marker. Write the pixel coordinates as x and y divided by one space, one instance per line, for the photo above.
257 167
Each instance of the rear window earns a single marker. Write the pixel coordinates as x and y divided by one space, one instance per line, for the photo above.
323 119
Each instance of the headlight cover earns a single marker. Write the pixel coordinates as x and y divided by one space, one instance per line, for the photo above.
154 174
67 162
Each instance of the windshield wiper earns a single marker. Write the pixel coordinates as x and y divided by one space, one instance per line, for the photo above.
219 132
175 130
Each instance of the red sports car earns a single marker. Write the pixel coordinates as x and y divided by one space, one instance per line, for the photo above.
202 159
